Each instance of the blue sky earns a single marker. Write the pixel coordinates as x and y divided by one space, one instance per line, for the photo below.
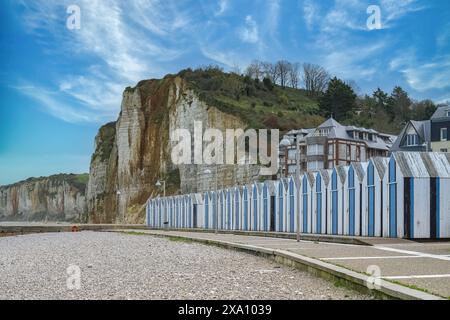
57 86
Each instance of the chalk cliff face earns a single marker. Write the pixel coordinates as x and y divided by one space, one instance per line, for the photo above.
134 152
55 198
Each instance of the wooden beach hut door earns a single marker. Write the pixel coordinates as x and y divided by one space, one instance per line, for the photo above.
245 209
318 204
305 203
194 216
371 199
280 206
292 205
255 207
392 198
334 202
351 201
206 222
272 213
237 212
265 208
189 212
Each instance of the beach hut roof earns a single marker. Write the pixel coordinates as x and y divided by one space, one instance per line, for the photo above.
342 173
326 176
437 164
271 187
311 178
381 165
196 198
296 179
360 170
411 164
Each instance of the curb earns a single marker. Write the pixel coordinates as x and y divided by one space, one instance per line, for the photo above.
282 235
354 280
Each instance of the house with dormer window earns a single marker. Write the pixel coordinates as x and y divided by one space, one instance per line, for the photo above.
426 136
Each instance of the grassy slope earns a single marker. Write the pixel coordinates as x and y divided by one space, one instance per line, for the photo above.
260 106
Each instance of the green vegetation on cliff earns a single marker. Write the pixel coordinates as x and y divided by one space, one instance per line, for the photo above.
78 181
261 104
105 141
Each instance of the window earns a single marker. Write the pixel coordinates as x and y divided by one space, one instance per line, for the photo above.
349 151
448 113
444 150
412 140
443 134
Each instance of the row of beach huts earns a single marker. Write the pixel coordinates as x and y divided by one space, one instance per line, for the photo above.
404 196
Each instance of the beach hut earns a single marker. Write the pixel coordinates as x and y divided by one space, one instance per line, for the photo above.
337 203
354 193
293 202
197 210
237 210
206 210
381 215
246 207
342 209
281 205
229 209
321 184
418 195
374 198
256 207
148 213
439 164
307 202
214 206
268 207
222 209
325 175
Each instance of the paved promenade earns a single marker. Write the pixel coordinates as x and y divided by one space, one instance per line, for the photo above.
421 266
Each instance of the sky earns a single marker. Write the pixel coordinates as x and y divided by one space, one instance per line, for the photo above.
58 85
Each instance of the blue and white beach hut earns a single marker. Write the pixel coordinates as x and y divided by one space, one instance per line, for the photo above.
382 217
336 202
281 205
293 201
229 209
246 207
222 208
197 210
327 199
320 188
343 214
237 210
268 206
419 186
207 210
256 207
354 193
307 202
373 202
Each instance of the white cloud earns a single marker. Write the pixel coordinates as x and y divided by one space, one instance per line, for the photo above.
249 33
395 9
428 76
53 104
222 7
124 38
310 13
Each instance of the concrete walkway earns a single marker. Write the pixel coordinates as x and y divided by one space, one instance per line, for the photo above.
402 269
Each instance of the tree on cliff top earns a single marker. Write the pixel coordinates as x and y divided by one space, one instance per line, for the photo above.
339 100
